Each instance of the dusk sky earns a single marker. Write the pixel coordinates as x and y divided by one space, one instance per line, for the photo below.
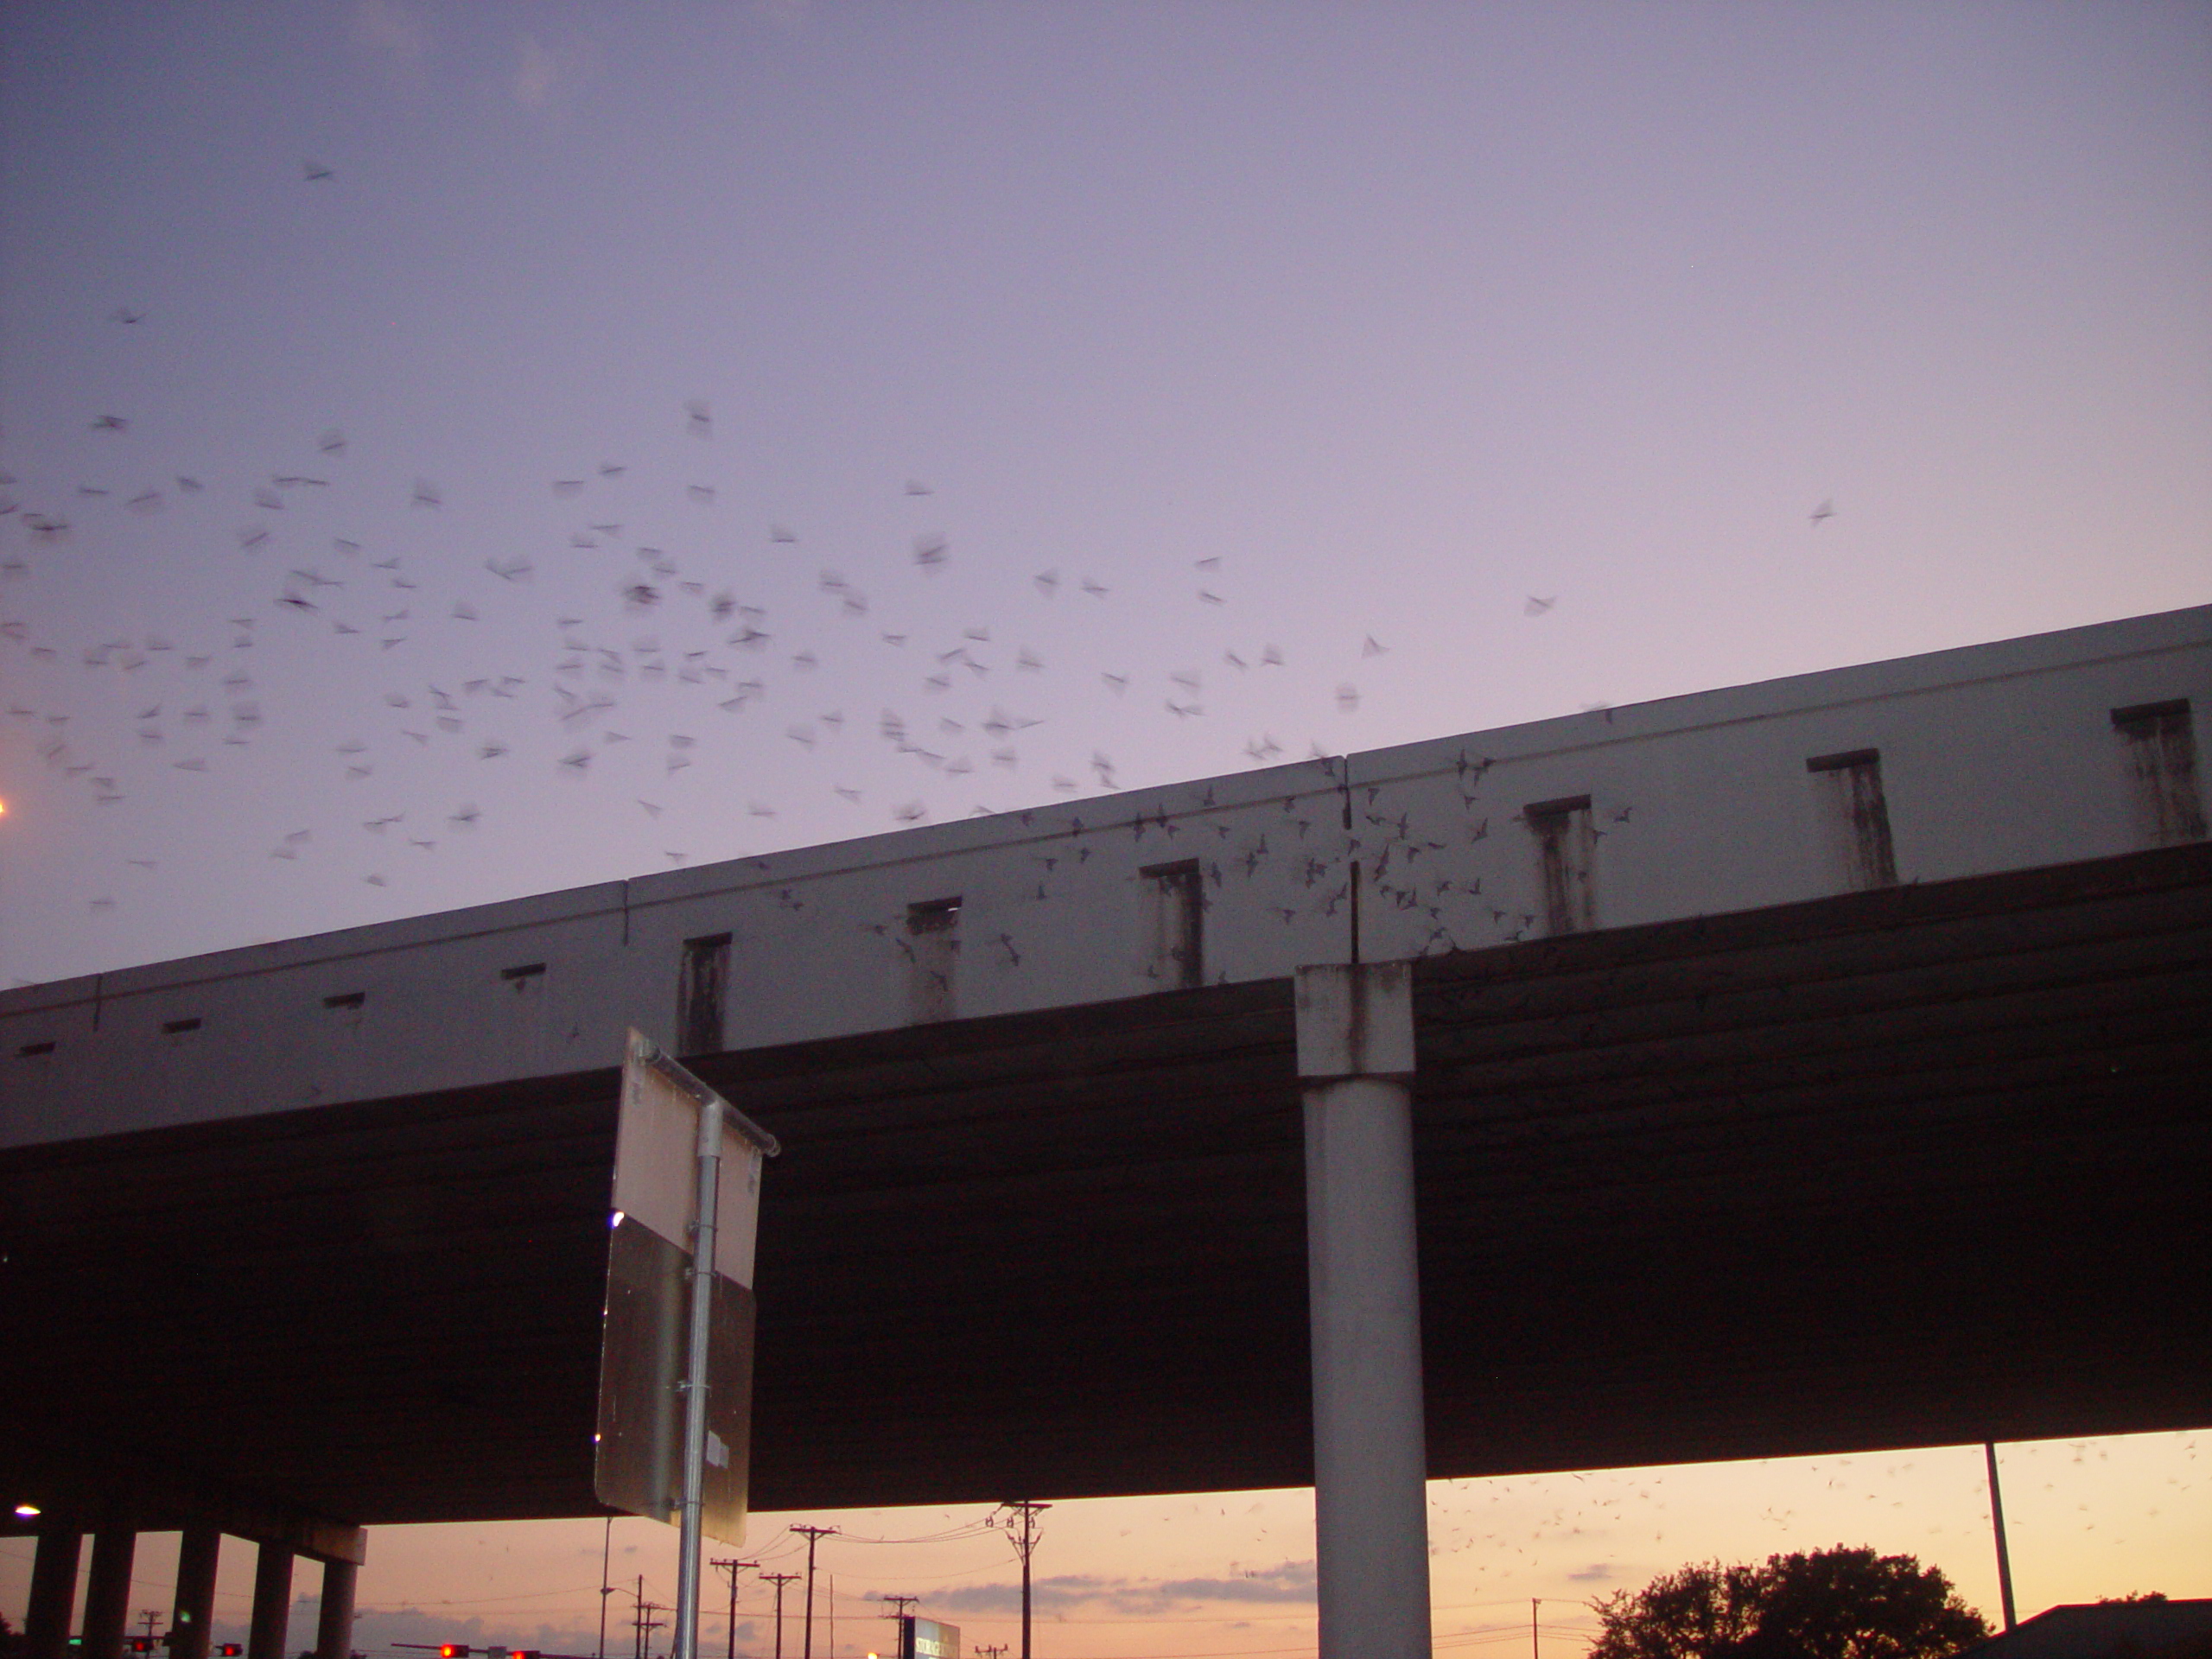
455 451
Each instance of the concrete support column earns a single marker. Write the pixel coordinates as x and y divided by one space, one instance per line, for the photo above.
1370 1498
334 1633
272 1602
107 1592
54 1592
196 1554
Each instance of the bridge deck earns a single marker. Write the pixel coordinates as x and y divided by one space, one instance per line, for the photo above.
1912 1167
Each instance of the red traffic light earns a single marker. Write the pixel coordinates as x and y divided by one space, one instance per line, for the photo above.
230 1650
523 1653
141 1644
451 1651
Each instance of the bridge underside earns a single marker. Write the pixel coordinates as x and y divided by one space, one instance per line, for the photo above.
1915 1166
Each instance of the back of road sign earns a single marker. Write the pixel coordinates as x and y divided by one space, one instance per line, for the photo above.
639 1462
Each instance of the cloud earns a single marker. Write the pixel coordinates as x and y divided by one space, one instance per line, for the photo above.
537 76
547 75
1290 1582
789 15
387 25
394 40
1596 1573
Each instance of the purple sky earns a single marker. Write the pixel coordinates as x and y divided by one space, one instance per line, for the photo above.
1403 315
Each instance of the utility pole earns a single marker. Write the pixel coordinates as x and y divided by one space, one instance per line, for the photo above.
1997 1520
1535 1648
149 1617
645 1626
732 1568
898 1613
1024 1544
990 1652
813 1536
606 1545
779 1579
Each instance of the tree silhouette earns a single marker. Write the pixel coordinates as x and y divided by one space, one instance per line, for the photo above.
1826 1604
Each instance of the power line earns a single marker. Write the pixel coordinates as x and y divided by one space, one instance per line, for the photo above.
950 1535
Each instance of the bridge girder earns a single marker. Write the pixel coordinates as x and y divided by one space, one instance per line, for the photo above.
1915 1166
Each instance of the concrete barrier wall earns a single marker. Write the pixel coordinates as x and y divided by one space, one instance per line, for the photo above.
1992 758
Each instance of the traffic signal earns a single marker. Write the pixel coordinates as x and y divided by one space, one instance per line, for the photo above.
140 1644
230 1650
453 1650
523 1653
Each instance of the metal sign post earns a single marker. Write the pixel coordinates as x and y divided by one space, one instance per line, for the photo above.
678 1315
694 1376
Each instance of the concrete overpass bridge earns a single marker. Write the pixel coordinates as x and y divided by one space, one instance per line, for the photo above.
1811 1066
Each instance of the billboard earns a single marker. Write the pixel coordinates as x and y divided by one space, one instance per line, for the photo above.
638 1465
924 1638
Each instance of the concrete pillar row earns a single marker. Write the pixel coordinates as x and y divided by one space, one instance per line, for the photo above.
1370 1456
334 1635
196 1555
272 1602
54 1592
107 1592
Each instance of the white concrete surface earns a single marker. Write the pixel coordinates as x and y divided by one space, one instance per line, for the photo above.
1370 1448
1994 757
